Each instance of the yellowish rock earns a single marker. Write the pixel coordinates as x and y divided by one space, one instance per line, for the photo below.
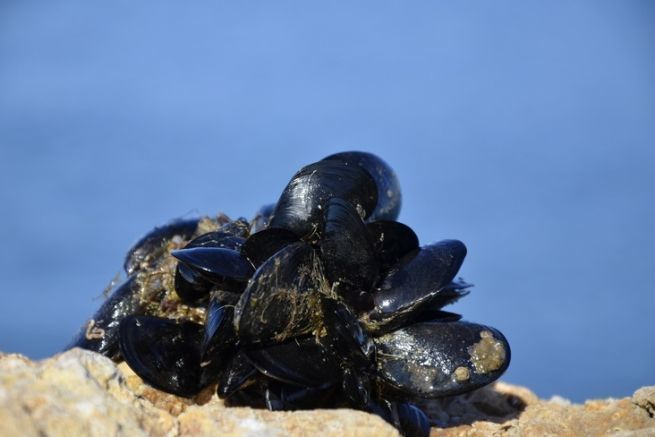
81 393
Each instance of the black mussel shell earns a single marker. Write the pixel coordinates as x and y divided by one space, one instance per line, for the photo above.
345 337
163 352
277 396
101 333
153 244
385 409
219 340
219 326
217 264
281 300
287 397
419 280
264 244
302 361
251 395
346 250
436 315
262 218
191 284
303 201
217 239
356 387
351 349
406 417
225 268
238 373
391 241
412 421
388 187
435 359
432 311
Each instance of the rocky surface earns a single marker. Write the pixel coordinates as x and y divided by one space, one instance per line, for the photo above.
82 393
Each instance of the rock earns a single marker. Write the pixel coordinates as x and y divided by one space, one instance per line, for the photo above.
83 393
557 416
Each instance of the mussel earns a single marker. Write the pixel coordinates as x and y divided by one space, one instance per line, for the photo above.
323 300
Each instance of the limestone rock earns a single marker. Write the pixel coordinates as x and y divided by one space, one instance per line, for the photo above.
555 417
82 393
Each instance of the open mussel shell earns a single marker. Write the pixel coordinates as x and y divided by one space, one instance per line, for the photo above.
303 201
389 198
264 244
281 300
435 359
419 280
302 361
163 352
346 250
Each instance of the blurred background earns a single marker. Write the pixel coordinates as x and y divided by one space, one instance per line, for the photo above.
524 129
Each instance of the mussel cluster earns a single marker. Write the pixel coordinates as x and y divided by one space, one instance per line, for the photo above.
323 300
